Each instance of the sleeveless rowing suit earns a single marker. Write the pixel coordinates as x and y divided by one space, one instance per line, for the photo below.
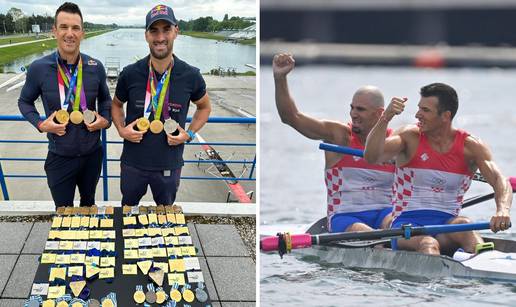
430 188
354 186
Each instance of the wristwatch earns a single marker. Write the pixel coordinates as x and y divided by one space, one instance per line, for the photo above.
191 134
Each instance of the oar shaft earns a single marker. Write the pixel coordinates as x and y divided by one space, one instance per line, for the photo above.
307 240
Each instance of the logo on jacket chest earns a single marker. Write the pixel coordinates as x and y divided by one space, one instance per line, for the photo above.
176 107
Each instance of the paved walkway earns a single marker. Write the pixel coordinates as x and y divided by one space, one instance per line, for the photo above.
228 269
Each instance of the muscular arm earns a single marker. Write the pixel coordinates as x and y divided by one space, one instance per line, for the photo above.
475 150
308 126
379 149
118 114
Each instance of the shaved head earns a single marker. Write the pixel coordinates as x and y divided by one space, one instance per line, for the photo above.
372 94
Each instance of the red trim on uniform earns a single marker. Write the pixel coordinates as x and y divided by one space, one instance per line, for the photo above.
357 162
452 161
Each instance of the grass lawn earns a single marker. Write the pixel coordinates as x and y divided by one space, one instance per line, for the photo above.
20 39
9 54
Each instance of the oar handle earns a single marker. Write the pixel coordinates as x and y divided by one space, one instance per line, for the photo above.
298 241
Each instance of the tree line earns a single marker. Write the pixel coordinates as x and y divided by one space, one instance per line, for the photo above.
208 24
14 21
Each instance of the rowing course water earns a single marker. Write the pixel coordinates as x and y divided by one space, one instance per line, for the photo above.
292 183
129 44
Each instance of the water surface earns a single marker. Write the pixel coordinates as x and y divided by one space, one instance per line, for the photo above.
293 192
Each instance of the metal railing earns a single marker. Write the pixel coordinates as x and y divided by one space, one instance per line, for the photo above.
105 176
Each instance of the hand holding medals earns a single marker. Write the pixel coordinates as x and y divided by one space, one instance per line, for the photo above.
94 121
181 137
51 126
130 133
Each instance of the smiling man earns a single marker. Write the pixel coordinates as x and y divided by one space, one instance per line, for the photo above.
358 193
158 90
72 87
435 163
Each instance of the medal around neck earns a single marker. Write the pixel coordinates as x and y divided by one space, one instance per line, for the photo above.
170 126
156 126
89 116
76 117
143 124
62 116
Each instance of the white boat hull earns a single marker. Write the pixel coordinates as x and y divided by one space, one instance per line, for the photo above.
493 265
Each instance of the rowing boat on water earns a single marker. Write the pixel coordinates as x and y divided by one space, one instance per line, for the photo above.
499 264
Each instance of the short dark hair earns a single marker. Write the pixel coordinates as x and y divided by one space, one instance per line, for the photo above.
68 7
446 97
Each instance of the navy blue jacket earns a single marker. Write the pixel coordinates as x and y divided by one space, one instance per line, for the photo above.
153 152
42 82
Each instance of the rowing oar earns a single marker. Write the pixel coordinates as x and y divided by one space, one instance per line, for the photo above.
360 153
285 242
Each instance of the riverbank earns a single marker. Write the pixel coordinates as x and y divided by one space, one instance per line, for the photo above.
10 53
210 35
24 38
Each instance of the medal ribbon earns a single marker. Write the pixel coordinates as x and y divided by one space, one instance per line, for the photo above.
73 81
155 96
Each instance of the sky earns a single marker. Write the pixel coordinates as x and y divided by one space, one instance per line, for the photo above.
132 12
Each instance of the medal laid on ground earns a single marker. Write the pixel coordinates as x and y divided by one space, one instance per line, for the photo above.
139 296
188 294
89 116
170 126
76 117
161 296
175 295
200 294
156 126
62 117
150 296
143 124
49 303
93 303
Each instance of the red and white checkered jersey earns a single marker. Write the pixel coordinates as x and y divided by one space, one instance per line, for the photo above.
433 180
353 185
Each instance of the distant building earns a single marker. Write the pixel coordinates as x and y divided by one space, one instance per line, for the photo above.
247 33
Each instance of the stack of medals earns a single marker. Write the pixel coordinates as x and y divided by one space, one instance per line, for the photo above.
80 250
157 244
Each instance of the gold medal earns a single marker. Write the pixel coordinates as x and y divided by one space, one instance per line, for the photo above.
62 116
143 124
188 295
175 295
107 303
89 116
139 297
62 304
161 296
77 304
76 117
49 303
156 126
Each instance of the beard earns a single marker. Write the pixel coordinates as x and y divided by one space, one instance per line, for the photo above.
161 55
